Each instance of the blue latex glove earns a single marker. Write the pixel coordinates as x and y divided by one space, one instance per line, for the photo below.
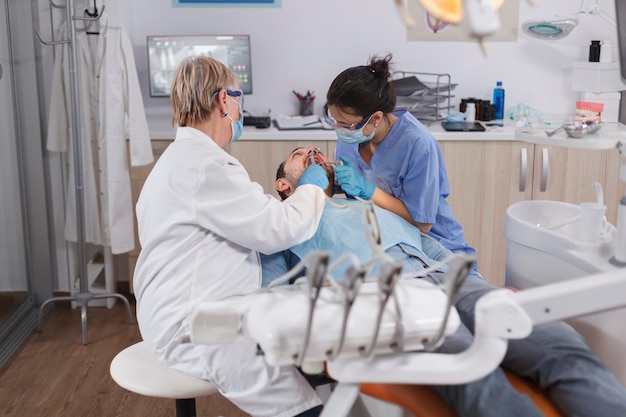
352 182
315 175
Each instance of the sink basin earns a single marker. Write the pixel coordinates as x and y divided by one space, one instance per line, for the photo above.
543 247
551 226
543 224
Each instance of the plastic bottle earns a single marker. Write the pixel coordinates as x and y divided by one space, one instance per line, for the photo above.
606 51
498 100
470 112
594 51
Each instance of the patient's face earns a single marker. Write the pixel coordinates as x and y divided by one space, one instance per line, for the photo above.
297 162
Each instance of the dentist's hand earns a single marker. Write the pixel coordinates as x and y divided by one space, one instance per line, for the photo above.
315 175
352 182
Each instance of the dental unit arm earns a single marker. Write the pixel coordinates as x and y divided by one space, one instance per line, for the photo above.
276 320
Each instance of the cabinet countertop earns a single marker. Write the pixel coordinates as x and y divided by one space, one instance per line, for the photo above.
161 129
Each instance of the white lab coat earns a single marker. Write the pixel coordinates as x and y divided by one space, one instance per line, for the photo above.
201 225
110 103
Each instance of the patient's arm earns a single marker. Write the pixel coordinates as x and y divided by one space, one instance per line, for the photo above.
273 266
277 265
434 250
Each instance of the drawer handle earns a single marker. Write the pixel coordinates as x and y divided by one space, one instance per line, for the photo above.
545 169
523 170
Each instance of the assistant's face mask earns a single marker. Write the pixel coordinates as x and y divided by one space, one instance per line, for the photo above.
354 136
236 126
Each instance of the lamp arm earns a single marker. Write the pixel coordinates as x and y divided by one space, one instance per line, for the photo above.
595 10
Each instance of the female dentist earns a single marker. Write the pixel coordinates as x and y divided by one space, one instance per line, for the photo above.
389 156
202 223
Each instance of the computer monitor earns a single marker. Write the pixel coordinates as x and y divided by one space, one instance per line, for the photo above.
166 52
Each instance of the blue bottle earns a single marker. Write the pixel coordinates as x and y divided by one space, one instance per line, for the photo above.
498 100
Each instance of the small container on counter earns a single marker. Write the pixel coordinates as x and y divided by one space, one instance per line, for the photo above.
594 51
606 51
470 112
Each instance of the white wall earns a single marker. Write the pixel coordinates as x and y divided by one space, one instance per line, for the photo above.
304 44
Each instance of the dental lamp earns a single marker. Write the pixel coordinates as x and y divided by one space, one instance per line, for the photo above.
549 29
481 15
559 27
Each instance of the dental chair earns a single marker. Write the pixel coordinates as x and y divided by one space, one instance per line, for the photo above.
422 401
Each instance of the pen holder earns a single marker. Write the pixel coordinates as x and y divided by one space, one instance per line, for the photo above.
306 107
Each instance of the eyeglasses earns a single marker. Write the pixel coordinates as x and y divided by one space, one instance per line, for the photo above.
238 94
351 126
230 93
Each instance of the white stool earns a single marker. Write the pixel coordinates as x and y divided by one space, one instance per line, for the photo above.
137 370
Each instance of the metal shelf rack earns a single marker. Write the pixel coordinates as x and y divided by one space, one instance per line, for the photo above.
431 100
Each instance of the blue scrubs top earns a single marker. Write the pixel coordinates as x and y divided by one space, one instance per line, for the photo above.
408 165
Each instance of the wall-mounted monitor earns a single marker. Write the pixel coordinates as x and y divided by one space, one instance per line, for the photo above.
166 52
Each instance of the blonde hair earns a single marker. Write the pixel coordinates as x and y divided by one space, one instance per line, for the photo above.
195 82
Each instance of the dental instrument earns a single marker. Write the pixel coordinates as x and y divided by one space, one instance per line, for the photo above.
333 163
315 279
352 281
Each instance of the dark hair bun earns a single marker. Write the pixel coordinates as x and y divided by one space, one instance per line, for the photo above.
380 67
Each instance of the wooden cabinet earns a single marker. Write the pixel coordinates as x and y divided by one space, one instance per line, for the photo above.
487 177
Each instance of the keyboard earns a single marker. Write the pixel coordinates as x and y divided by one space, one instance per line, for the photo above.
258 121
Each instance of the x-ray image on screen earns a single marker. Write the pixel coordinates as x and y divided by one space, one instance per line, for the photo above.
166 52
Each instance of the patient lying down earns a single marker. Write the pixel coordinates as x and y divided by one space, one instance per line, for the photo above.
554 355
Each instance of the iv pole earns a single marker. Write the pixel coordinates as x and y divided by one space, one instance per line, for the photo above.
84 296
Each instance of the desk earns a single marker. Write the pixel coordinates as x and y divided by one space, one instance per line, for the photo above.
608 137
161 129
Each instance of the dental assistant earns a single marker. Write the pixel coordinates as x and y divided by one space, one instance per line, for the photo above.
389 156
202 224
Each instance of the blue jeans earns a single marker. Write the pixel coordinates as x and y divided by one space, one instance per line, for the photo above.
555 356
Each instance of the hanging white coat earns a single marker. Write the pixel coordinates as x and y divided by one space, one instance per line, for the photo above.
110 109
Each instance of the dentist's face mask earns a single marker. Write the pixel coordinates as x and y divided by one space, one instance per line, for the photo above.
354 136
349 132
236 125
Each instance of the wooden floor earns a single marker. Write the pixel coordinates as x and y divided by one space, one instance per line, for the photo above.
10 302
54 374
